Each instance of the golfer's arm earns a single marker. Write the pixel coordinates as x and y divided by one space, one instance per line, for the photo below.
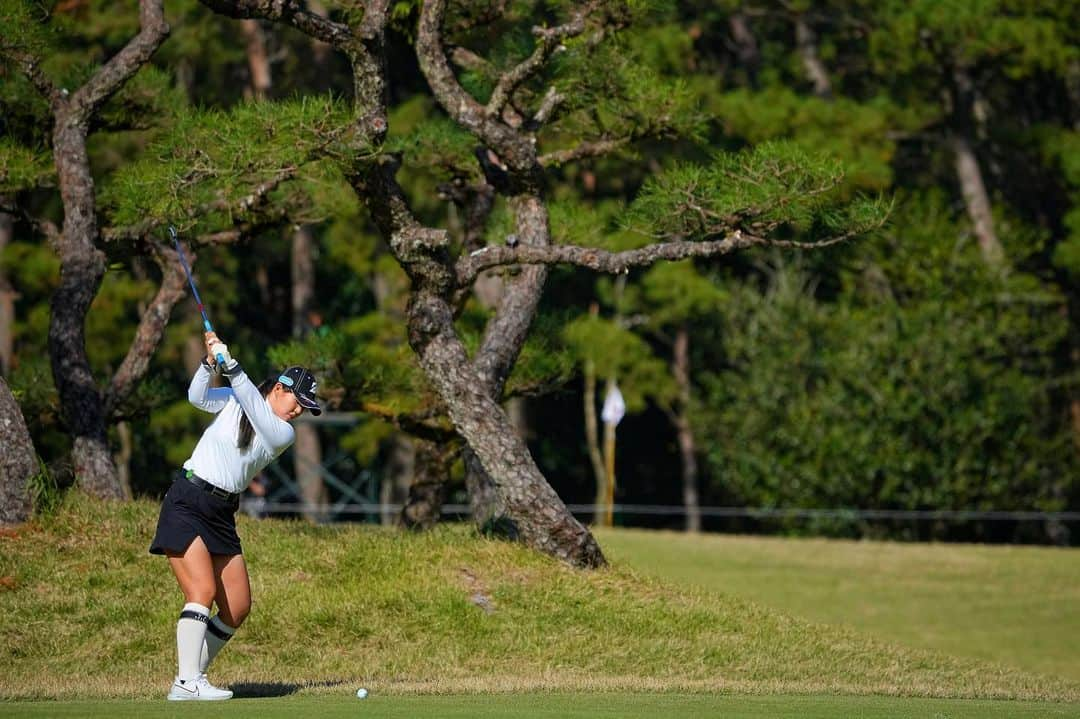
202 395
274 431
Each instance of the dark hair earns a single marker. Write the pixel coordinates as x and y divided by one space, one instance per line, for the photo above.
247 432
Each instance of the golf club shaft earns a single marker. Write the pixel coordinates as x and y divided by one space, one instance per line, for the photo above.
194 290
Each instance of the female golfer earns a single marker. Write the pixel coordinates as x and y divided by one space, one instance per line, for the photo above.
196 529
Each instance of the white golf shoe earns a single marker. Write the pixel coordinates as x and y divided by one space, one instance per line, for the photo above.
198 689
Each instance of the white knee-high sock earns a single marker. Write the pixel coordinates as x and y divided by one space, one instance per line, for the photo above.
217 633
190 634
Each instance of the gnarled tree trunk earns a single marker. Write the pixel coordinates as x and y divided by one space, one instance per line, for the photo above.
82 267
18 461
525 507
430 477
82 264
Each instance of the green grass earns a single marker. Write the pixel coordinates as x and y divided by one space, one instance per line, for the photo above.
556 706
1013 605
86 613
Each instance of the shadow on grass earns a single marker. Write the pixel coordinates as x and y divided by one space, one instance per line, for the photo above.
257 690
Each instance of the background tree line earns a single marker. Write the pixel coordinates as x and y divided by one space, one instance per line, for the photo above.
930 364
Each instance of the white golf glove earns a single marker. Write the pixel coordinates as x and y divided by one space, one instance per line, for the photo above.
220 351
227 365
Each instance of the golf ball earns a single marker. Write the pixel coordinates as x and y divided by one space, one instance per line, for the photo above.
361 693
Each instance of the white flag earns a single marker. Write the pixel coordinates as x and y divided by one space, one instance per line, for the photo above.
614 407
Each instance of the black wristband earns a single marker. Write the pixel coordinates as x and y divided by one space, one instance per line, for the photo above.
231 369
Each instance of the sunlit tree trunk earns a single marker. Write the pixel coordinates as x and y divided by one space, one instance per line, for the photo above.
258 59
608 512
683 431
307 450
968 173
592 438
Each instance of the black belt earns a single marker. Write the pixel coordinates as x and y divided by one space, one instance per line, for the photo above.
210 488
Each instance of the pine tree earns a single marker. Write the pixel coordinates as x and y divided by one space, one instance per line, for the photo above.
533 105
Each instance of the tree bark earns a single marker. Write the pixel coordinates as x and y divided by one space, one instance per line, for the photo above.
527 508
123 458
977 201
307 450
431 475
968 172
683 432
398 475
151 329
258 59
592 440
609 465
18 461
505 335
82 264
82 267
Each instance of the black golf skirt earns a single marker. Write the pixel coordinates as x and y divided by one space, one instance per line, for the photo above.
188 512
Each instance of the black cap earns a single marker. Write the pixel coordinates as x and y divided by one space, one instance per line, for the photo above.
301 383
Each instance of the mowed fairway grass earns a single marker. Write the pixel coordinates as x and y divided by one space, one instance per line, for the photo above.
553 706
1015 605
446 623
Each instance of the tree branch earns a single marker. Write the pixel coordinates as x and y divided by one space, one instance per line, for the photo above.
594 148
31 67
463 108
151 328
47 228
291 13
248 204
469 266
549 40
113 74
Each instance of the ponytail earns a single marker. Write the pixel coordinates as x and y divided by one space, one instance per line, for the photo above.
247 432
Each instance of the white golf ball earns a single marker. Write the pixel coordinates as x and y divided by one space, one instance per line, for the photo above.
361 693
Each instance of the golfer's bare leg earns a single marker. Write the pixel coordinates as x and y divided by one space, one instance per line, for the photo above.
194 570
233 593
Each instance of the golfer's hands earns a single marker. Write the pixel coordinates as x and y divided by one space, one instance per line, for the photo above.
210 339
215 348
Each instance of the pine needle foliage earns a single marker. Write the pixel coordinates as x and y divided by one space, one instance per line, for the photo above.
22 168
201 171
440 146
24 27
612 92
773 187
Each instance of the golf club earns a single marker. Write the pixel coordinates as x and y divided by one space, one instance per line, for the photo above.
191 281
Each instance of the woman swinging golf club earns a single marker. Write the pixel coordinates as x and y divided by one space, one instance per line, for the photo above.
197 526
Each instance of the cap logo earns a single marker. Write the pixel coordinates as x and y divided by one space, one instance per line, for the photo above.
287 381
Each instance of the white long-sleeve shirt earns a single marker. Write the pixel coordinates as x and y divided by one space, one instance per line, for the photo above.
216 458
